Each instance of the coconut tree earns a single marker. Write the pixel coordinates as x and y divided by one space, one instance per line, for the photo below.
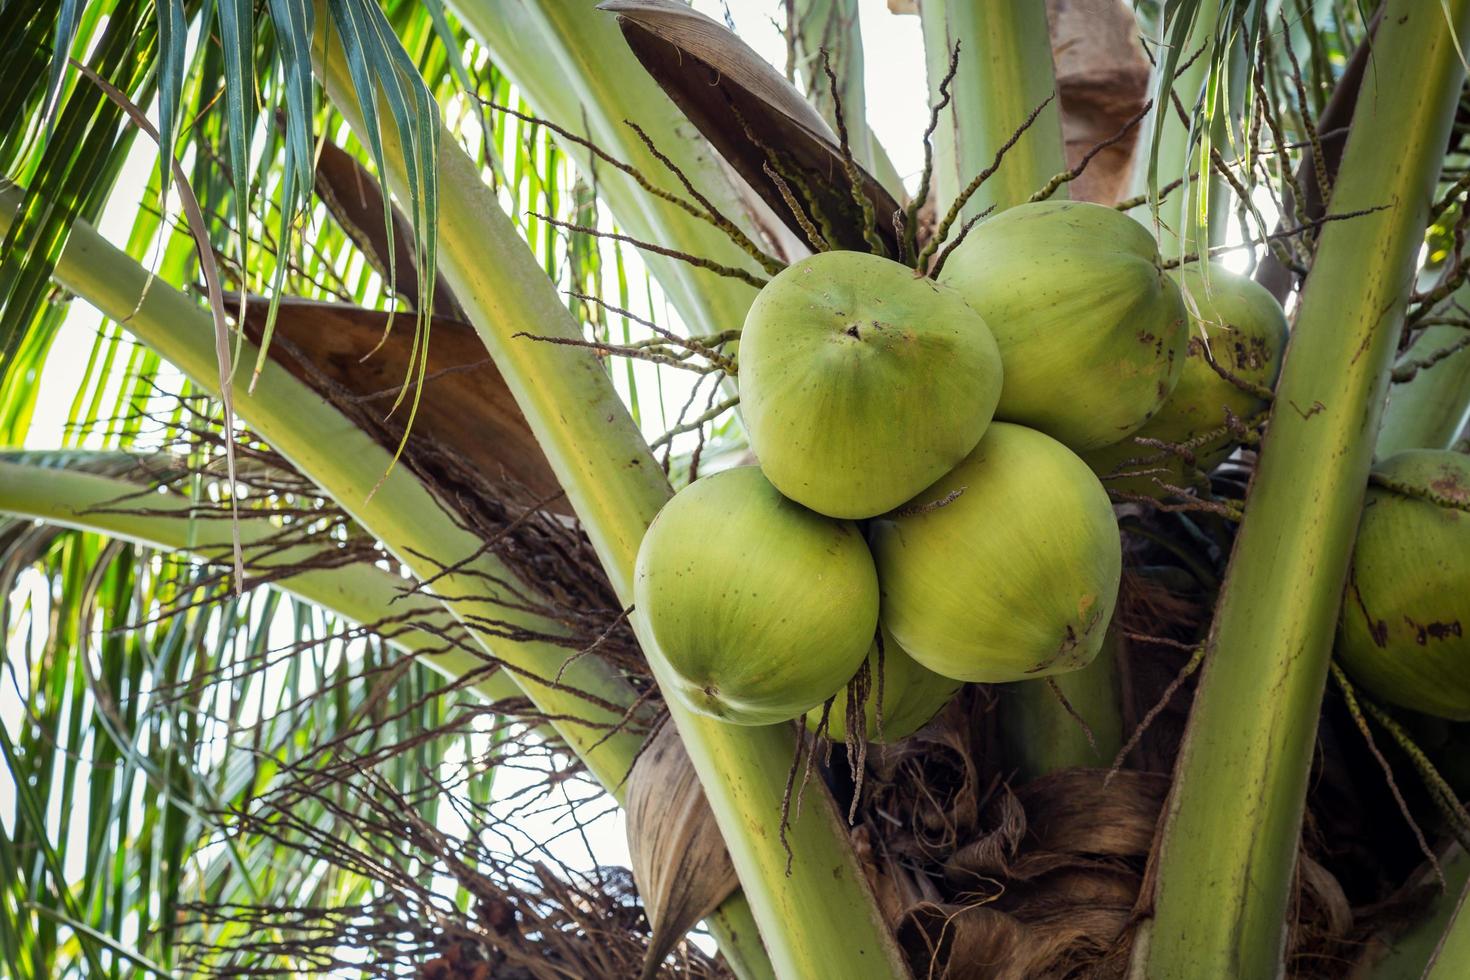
393 301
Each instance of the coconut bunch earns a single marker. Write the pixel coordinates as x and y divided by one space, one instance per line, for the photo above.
927 509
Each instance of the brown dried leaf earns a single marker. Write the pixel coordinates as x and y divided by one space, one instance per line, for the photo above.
732 94
679 859
1047 891
467 413
354 197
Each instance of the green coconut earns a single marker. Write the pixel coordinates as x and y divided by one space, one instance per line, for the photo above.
1015 576
1091 330
762 607
1246 331
912 696
860 384
1405 629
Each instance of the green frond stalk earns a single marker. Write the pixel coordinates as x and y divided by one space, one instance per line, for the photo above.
818 919
401 513
346 463
1232 828
574 68
1430 410
1005 73
360 593
1451 957
1404 955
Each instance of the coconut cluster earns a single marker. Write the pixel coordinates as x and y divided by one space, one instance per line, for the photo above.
920 501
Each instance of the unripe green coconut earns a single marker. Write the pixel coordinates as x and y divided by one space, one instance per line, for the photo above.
1016 576
1091 330
860 384
1405 630
912 696
1246 331
762 607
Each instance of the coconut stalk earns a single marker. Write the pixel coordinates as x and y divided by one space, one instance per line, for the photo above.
1451 958
574 68
1404 953
360 593
1005 73
1432 409
1231 830
812 904
1044 735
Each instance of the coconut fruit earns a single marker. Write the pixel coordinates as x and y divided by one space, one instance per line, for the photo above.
1246 332
860 384
1405 629
1091 330
762 607
912 695
1007 568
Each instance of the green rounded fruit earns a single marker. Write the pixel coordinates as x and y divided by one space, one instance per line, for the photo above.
1091 330
1246 331
1405 630
762 607
912 696
860 384
1015 577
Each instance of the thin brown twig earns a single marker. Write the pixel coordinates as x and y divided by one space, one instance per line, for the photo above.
710 214
854 177
728 271
1067 176
974 185
911 213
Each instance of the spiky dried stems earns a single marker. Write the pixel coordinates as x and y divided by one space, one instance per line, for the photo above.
1067 176
703 208
952 215
849 165
908 224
